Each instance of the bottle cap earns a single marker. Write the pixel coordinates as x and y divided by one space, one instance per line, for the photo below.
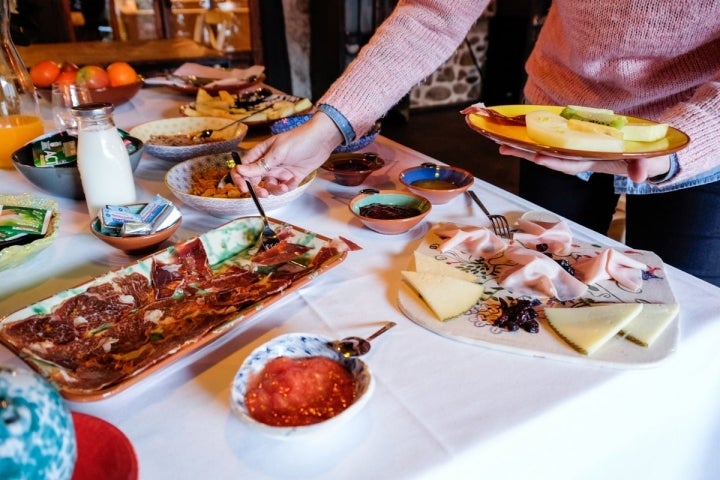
91 109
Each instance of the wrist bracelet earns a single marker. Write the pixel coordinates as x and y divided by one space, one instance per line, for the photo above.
340 121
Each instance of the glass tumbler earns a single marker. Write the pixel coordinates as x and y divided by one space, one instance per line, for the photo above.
64 97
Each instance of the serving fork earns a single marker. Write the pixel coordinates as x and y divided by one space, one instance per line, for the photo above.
500 224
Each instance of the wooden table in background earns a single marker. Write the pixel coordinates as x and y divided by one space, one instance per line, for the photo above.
147 56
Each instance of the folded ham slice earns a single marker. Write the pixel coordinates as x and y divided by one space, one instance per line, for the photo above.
557 236
611 264
536 274
477 241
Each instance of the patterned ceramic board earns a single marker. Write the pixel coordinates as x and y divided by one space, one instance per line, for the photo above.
103 336
475 326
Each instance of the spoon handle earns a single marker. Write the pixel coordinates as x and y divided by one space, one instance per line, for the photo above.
384 329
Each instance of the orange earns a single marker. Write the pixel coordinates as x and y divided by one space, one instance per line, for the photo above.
121 73
44 73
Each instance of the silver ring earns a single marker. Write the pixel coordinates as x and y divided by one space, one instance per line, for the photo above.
264 165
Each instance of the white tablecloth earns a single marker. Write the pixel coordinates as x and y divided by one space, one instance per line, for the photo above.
441 409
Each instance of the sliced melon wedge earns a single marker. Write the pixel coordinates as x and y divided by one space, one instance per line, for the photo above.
427 264
551 129
446 296
587 329
650 323
644 132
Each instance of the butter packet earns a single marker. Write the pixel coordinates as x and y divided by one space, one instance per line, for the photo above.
20 225
58 149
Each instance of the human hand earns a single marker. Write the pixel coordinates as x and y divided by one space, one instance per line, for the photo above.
284 160
636 169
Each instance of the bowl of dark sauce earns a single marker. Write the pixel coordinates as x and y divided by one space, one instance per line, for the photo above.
352 169
389 211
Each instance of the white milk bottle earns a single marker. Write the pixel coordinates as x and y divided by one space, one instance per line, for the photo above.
102 158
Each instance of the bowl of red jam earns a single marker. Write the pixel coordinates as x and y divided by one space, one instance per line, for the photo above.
389 211
437 183
351 169
296 384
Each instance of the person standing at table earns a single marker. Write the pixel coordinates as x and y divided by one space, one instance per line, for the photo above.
648 58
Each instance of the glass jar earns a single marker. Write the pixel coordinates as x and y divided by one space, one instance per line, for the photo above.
102 158
20 119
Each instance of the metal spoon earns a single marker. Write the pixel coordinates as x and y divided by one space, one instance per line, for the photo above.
356 346
207 133
268 237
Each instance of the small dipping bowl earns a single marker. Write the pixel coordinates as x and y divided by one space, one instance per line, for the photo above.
299 345
136 244
351 169
437 183
387 203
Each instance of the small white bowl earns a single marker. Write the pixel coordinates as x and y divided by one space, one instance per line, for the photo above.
299 345
228 139
179 180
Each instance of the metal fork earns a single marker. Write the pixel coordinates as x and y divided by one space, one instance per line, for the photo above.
268 237
500 224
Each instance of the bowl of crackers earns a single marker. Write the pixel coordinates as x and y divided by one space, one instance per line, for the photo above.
203 184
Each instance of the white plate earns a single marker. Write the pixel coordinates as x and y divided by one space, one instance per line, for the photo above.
471 328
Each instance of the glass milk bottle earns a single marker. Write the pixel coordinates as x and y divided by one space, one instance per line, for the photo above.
102 158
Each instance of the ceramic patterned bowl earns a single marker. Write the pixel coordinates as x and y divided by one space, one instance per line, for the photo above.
179 180
299 345
437 183
286 124
389 211
63 180
226 140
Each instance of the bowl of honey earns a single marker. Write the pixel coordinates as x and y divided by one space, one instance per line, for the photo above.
438 183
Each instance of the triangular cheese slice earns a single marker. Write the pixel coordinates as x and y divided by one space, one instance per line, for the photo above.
587 329
446 296
650 323
427 264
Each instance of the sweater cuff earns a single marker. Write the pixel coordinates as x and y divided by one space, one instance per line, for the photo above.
340 121
674 168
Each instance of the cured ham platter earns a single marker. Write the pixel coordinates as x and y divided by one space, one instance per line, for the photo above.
101 337
477 325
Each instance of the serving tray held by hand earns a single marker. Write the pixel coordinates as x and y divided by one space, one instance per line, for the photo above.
101 337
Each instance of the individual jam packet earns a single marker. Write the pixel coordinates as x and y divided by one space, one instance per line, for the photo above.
54 150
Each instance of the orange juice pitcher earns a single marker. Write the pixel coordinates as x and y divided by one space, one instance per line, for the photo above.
20 119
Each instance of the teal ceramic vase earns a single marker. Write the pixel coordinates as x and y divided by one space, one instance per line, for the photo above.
37 437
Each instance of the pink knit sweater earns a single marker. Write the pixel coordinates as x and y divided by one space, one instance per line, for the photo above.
657 59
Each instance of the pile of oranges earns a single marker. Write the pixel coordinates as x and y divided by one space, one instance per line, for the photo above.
47 72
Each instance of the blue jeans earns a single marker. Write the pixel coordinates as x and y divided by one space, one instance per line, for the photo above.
682 226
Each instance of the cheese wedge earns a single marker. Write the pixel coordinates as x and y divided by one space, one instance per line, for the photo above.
547 128
587 329
650 323
427 264
446 296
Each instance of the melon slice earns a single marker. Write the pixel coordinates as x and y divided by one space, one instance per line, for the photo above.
650 323
551 129
427 264
644 132
587 329
446 296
